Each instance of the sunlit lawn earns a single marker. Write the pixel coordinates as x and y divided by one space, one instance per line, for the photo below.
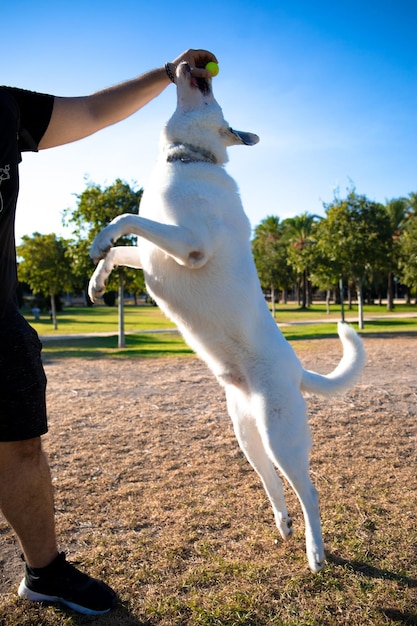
100 319
146 345
80 320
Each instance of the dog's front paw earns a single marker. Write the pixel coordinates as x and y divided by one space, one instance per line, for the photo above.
98 281
101 246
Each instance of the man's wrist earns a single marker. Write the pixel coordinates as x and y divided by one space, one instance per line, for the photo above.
170 71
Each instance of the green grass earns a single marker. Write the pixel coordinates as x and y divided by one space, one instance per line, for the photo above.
143 319
146 345
375 327
100 319
291 312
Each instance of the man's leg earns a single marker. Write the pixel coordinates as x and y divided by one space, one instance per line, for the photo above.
26 499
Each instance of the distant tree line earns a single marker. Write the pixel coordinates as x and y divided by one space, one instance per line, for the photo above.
368 247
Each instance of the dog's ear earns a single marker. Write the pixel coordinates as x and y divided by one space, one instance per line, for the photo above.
240 137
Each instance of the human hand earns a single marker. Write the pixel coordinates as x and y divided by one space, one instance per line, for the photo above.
197 60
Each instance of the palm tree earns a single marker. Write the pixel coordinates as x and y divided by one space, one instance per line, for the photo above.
299 234
412 202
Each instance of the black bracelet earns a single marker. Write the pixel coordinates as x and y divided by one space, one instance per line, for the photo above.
168 70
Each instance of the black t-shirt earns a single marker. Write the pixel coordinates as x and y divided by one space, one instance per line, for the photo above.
24 118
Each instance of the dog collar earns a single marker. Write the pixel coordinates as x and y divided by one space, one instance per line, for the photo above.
187 153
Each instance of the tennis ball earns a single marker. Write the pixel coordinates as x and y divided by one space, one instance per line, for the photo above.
213 68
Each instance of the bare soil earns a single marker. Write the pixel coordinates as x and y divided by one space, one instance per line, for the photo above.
146 468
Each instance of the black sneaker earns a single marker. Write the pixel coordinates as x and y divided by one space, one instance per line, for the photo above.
62 582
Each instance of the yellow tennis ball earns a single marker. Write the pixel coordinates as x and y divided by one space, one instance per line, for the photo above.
213 68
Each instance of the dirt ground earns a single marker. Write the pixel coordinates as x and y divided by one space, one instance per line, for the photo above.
126 432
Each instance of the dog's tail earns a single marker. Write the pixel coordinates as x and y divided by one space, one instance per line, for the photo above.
346 373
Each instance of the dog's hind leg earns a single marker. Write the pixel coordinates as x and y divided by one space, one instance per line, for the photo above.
300 481
287 439
121 255
307 494
252 446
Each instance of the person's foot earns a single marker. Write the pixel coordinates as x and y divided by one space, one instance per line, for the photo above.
62 582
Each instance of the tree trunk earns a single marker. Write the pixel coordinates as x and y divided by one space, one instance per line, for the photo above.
304 288
390 292
273 300
309 293
328 294
122 341
53 312
408 295
349 297
342 299
360 305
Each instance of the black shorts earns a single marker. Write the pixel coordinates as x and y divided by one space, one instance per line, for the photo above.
22 380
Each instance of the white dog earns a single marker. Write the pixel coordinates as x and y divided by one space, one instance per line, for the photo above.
194 248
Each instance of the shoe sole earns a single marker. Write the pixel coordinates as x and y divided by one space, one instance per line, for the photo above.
27 594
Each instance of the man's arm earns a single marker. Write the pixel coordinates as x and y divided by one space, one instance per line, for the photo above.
75 118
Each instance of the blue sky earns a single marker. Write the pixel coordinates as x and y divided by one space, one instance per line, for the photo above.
330 88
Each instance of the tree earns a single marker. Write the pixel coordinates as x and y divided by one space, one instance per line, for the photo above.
356 238
96 207
81 265
323 272
45 266
271 259
397 213
408 245
299 233
408 252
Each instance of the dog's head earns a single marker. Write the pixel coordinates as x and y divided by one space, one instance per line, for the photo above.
198 118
